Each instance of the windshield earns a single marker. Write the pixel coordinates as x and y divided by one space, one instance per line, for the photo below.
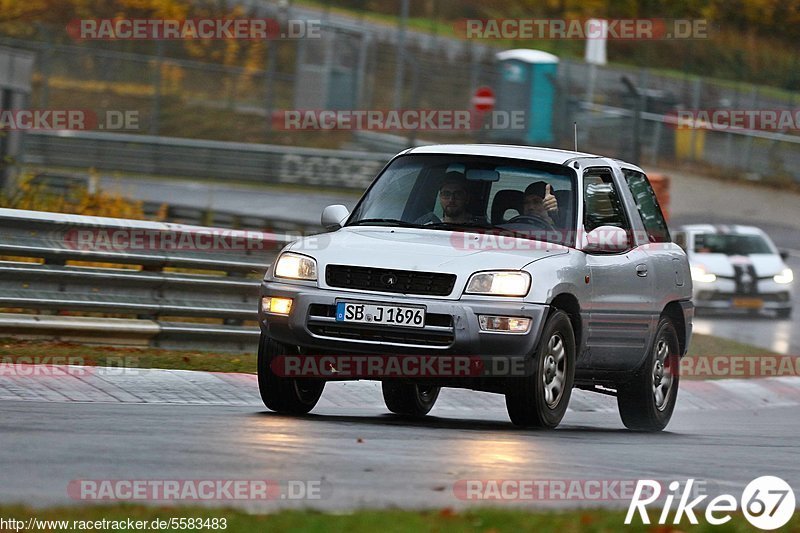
473 194
731 244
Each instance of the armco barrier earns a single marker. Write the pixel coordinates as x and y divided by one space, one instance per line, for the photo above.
130 281
195 158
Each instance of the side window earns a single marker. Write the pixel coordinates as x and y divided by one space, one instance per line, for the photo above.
647 204
601 202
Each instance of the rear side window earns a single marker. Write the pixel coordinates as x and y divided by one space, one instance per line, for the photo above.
647 205
602 205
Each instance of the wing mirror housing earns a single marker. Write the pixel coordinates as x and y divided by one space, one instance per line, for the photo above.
606 240
334 216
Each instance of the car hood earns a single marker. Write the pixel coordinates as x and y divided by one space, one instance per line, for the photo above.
765 265
423 250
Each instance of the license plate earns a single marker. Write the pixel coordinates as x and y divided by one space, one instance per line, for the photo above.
748 303
389 315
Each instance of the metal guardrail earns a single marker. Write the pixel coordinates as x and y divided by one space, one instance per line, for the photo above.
169 156
62 184
147 283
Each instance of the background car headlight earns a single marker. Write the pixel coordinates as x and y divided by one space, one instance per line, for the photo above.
499 283
786 276
700 274
296 266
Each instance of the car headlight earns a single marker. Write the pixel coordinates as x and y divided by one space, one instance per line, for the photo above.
296 266
499 283
700 274
786 276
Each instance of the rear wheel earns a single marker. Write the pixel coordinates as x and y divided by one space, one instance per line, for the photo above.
647 401
409 399
280 394
541 399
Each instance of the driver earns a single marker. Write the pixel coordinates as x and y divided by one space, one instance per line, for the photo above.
453 198
540 202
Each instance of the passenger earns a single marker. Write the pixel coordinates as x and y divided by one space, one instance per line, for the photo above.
540 202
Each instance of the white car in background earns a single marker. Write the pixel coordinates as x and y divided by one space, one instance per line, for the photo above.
736 268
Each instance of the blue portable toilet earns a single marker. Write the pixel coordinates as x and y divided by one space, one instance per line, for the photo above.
527 83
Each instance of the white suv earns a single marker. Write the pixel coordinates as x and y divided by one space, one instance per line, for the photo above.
545 269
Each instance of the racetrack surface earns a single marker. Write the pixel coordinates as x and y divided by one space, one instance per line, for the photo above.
211 426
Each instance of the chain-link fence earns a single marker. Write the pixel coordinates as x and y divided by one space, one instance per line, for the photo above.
620 111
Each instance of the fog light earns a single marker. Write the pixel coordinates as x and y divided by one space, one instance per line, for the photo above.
278 306
509 324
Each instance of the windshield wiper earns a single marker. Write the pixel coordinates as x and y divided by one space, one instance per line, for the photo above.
385 222
500 230
446 225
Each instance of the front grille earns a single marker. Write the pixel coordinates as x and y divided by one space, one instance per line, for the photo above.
726 296
386 280
370 333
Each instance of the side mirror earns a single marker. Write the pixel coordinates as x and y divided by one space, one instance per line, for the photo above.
784 255
334 216
607 239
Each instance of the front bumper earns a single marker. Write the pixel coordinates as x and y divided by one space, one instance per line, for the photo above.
725 294
451 328
710 298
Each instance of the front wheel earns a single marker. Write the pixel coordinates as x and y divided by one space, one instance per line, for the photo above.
409 399
541 399
280 394
647 401
784 313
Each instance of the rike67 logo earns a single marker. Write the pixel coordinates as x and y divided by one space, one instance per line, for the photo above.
767 502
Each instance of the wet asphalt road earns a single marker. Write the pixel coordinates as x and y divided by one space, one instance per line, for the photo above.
365 457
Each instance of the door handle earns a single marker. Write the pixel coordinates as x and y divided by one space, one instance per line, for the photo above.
641 271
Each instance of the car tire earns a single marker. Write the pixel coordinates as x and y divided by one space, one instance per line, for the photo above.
784 313
541 399
280 394
409 399
647 401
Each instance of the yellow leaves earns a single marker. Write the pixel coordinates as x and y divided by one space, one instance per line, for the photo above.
78 200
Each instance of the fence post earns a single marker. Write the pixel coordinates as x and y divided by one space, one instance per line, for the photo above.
154 122
399 68
269 84
697 89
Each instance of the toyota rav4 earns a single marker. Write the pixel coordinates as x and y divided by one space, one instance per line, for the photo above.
540 269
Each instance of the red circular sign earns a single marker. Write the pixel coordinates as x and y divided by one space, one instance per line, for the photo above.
483 99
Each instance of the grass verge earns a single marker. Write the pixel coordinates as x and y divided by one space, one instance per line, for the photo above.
443 520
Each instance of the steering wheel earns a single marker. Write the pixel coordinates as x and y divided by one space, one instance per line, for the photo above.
533 220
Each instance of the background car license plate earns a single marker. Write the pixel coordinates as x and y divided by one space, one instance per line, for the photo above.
392 315
748 303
